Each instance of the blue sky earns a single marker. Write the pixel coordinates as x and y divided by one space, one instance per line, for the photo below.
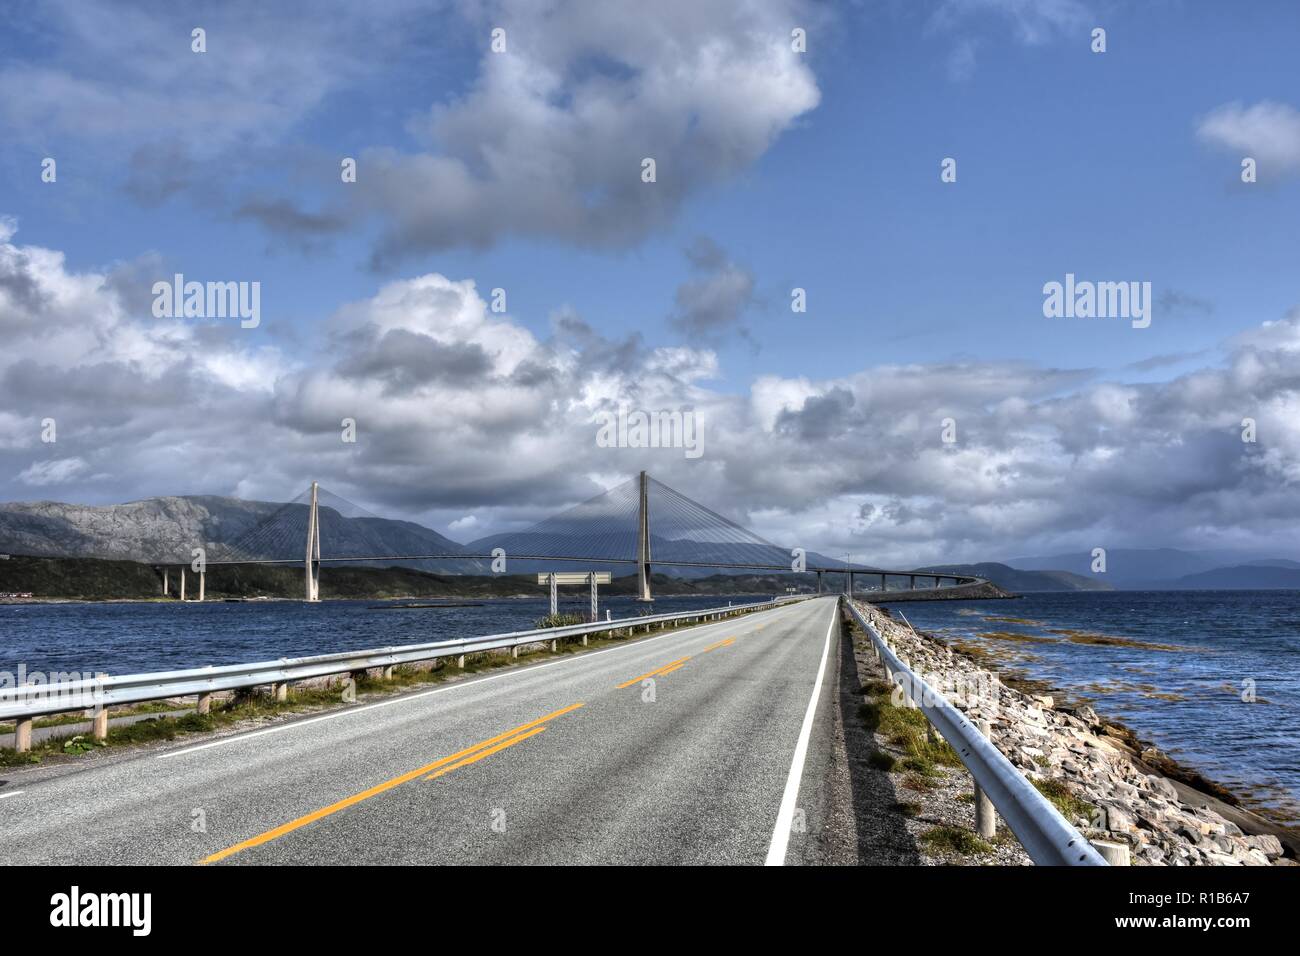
818 170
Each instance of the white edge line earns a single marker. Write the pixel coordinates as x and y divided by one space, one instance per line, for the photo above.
236 738
11 793
785 816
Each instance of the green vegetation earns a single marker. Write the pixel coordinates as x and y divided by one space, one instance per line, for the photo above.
882 760
906 729
907 808
559 620
1070 806
946 839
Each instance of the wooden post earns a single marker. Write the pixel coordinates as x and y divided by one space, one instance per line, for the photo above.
99 724
204 705
23 734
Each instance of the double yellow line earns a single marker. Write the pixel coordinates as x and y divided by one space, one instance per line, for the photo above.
657 672
666 669
431 771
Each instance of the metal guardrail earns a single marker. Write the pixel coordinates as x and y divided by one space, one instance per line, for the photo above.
35 700
1047 837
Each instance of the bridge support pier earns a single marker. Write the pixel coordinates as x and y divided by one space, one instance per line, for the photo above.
643 543
884 583
911 582
166 589
555 595
313 547
182 584
595 611
202 583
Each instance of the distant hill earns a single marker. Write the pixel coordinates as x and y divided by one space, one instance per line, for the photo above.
1244 577
157 530
1151 569
95 579
1017 581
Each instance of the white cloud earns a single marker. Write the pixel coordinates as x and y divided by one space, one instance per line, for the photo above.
54 471
1267 131
466 416
550 138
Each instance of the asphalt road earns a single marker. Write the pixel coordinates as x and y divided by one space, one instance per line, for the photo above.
707 745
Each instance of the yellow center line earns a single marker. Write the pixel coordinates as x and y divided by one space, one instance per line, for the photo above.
384 787
675 667
656 671
726 642
485 753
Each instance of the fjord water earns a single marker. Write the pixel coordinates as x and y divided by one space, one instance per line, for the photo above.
1187 700
131 638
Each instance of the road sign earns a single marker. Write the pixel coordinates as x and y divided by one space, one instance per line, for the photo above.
573 577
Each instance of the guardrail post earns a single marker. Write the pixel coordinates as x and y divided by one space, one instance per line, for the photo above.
1116 854
280 690
99 724
204 705
460 661
555 646
388 672
23 734
986 817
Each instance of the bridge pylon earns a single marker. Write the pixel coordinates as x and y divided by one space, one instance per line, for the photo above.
313 547
643 543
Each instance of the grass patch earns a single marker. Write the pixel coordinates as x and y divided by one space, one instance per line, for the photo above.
918 784
559 620
946 839
1061 797
882 760
907 808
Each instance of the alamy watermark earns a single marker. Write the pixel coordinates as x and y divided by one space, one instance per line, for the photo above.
637 428
210 300
1098 300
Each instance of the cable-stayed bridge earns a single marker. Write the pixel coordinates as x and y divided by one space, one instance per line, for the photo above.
641 524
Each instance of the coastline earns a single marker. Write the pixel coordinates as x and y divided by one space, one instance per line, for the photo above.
1168 813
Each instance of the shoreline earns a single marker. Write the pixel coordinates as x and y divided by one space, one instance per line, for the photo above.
1193 787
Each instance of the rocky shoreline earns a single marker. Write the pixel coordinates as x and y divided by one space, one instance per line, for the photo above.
1135 794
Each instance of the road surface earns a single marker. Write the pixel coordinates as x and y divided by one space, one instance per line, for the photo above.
713 744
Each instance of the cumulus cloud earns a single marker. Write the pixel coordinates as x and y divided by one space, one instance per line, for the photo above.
711 305
1267 131
465 415
549 141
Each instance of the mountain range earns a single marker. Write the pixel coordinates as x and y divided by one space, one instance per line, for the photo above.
164 530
